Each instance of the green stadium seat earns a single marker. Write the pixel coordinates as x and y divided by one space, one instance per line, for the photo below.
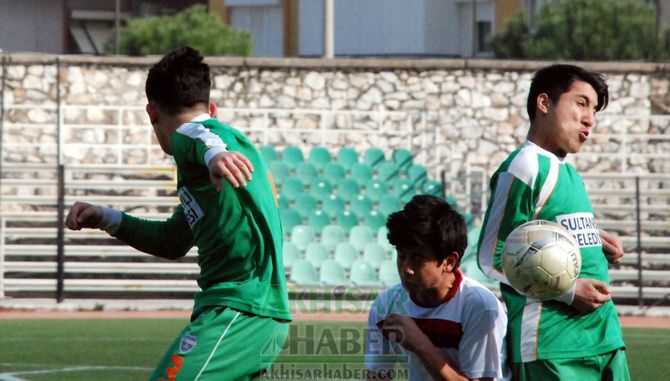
362 173
360 236
332 235
290 218
291 188
373 157
388 171
269 153
347 219
433 187
345 254
348 189
332 274
404 190
473 239
363 274
374 220
320 188
303 273
374 254
417 174
389 204
334 172
374 189
318 219
290 254
316 253
302 236
279 171
403 158
452 200
333 205
347 157
361 205
306 172
292 155
383 240
469 219
388 273
282 202
319 157
305 204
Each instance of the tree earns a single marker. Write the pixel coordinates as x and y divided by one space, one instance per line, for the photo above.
195 27
584 30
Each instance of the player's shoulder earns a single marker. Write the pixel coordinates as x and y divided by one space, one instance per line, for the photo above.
478 295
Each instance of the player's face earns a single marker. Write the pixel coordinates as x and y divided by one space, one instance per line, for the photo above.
570 119
424 279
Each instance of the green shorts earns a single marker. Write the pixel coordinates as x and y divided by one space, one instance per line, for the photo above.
610 366
222 344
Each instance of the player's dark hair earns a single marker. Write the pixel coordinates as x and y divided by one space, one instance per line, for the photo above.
178 81
555 80
428 221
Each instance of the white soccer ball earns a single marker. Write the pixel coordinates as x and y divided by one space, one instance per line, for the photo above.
541 259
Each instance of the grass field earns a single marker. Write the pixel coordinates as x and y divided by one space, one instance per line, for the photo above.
128 349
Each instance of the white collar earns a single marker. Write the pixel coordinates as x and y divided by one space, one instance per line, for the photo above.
201 118
543 151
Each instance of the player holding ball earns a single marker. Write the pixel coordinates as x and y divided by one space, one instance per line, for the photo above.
576 336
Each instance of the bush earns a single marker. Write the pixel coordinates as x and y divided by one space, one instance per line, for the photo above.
195 27
584 30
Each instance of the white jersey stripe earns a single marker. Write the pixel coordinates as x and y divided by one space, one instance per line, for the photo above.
216 346
211 140
492 228
548 187
529 326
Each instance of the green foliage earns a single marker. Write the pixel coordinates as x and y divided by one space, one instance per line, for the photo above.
196 27
584 30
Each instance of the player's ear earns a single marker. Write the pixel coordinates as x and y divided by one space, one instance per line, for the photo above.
153 113
212 109
542 103
450 262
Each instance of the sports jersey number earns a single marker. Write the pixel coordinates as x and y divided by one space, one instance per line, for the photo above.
192 210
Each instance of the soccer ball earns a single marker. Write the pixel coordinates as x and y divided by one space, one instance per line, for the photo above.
541 259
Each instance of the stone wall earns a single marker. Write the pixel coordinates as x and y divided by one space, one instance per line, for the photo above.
456 115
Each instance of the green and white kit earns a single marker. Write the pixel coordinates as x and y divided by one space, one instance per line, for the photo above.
536 184
239 238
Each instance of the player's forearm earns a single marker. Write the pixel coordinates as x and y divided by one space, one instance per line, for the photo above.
436 365
165 239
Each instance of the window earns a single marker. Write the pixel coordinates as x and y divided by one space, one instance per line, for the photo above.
484 30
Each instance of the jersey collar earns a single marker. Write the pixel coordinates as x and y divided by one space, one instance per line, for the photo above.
543 151
201 118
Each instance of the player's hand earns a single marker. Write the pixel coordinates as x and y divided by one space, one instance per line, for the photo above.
83 215
232 166
590 294
612 246
403 330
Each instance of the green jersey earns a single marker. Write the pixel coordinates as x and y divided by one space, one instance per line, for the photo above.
237 230
536 184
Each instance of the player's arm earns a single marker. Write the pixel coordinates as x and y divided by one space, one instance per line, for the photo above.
170 239
511 204
612 246
377 347
403 330
197 144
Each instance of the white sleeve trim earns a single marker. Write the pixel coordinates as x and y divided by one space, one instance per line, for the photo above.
111 219
569 296
209 155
